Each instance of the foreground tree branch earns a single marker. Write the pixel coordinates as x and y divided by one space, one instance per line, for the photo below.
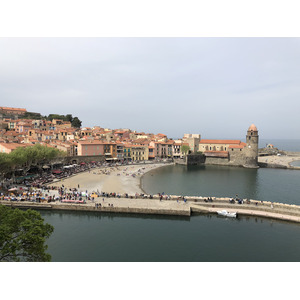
23 235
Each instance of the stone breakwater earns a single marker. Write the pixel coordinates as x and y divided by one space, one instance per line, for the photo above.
279 162
173 205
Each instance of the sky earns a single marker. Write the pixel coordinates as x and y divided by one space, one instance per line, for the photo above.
216 87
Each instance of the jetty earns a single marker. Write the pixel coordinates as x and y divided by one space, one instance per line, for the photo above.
171 205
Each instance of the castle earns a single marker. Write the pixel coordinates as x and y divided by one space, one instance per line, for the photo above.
229 152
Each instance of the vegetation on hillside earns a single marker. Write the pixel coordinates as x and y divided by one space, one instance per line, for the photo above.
37 116
74 120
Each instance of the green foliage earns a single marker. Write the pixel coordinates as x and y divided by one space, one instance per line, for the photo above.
185 149
76 122
5 163
27 157
55 116
32 115
23 235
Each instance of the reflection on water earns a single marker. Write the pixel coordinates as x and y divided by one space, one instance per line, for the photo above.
97 215
85 236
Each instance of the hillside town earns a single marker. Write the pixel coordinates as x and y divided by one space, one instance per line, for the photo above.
120 145
115 144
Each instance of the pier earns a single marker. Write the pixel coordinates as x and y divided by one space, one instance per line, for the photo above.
171 205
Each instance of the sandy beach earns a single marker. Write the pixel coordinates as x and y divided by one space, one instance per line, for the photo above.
119 179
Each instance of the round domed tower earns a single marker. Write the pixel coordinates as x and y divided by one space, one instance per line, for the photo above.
252 145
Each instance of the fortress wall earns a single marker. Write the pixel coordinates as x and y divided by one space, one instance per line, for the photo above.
216 161
195 159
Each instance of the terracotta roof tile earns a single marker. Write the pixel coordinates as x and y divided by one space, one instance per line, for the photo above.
220 142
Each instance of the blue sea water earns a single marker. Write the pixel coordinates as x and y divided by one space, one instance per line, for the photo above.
281 144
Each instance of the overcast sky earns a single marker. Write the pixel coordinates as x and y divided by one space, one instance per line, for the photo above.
216 87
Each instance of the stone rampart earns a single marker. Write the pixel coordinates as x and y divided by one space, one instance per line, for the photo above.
195 159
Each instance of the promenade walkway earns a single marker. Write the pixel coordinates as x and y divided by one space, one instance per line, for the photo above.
174 206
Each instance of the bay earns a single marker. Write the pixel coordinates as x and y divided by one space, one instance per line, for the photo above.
104 237
92 237
275 185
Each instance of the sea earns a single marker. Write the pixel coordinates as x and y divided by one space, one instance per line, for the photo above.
108 237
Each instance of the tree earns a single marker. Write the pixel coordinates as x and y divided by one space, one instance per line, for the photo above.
76 122
23 235
185 149
69 118
5 164
36 156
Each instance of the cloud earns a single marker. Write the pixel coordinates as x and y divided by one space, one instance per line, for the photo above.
213 86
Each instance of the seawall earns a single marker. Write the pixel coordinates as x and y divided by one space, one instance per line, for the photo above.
174 206
151 208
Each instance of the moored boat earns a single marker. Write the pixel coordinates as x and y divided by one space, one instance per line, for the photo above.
225 213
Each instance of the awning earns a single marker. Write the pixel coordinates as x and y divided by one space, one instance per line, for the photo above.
56 171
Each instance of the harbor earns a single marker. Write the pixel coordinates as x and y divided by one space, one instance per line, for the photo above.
171 205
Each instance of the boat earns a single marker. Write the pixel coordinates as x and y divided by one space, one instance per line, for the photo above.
225 213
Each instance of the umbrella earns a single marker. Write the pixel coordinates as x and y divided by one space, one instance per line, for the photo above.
13 189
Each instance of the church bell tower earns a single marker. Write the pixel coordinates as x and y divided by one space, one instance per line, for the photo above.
252 146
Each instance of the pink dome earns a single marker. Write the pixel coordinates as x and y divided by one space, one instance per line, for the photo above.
252 128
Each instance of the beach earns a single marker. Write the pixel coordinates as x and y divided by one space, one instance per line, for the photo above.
117 179
121 180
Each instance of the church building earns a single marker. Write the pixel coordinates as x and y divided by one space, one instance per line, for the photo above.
232 152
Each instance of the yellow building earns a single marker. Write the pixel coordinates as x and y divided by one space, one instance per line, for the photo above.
139 153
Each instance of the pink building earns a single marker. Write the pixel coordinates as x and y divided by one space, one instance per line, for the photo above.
90 148
162 149
9 147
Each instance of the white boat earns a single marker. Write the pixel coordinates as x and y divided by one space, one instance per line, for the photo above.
225 213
